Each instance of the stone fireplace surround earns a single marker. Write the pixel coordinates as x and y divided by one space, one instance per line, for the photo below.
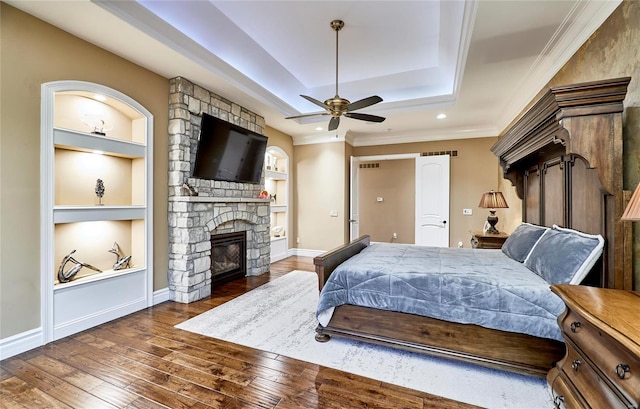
220 207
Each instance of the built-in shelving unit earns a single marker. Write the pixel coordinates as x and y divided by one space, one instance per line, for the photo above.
90 133
277 184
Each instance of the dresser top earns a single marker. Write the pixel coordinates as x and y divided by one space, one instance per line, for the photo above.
615 312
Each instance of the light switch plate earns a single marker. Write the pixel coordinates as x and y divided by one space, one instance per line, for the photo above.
467 212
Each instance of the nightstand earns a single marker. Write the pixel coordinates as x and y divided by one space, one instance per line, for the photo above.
480 240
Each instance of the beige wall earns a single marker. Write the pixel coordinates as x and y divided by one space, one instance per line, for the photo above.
321 185
473 171
394 182
611 52
34 52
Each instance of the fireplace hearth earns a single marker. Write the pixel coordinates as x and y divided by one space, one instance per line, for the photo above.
228 257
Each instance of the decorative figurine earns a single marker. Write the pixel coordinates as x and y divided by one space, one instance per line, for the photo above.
97 125
189 190
99 191
263 195
122 261
66 276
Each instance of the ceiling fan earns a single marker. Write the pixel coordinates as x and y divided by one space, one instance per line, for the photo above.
337 106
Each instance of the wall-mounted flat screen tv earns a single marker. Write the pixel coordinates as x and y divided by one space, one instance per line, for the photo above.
229 152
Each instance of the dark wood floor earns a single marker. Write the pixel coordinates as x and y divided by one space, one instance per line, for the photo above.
142 361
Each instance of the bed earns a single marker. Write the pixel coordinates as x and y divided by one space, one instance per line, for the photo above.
560 156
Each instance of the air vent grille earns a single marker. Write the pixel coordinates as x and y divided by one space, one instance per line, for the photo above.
438 153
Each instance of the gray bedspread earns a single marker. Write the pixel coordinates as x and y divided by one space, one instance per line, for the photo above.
471 286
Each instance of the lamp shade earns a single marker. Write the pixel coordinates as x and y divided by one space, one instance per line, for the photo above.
493 200
632 212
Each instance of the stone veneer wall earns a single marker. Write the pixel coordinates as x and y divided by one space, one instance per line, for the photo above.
220 207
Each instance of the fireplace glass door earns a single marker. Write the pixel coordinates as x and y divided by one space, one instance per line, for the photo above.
228 257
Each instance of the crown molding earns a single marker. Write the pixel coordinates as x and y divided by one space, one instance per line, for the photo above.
583 20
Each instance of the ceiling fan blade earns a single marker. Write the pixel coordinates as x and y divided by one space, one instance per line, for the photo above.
307 115
363 103
364 117
333 124
315 101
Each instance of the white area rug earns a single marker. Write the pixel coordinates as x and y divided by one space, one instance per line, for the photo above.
279 317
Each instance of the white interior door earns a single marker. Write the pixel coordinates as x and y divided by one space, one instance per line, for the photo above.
354 230
432 201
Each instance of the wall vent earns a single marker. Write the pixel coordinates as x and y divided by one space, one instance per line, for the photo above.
369 165
438 153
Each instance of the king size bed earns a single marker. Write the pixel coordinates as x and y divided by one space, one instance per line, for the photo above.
494 307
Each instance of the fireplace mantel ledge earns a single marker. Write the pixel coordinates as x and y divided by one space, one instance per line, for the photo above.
215 199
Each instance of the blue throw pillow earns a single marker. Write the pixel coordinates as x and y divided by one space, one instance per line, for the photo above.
564 255
519 244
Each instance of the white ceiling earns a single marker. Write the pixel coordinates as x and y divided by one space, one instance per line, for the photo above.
478 62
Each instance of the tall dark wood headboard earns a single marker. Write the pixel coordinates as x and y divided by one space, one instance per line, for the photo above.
564 156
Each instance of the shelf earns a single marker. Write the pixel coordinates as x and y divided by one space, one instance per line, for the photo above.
72 214
272 174
73 161
278 208
277 184
86 142
93 277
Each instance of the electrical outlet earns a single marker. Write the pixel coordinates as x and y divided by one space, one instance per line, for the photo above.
395 235
467 212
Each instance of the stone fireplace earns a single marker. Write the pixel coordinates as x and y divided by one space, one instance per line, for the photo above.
219 208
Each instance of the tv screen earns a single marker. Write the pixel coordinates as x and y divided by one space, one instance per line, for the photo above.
229 152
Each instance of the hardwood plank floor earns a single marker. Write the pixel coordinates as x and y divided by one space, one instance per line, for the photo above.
142 361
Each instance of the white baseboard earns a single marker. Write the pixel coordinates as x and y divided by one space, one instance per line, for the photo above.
278 257
20 343
306 252
85 322
161 296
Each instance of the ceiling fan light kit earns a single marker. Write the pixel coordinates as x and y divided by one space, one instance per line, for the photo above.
337 106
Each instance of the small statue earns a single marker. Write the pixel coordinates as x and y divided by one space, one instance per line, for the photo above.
99 191
99 128
189 190
122 261
66 276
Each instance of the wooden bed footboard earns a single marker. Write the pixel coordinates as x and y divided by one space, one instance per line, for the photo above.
508 351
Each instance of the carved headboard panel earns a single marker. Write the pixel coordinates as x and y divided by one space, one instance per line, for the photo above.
564 156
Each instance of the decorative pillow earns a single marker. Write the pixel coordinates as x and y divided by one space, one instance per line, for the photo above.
563 256
519 244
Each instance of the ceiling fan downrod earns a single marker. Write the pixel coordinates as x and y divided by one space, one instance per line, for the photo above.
337 25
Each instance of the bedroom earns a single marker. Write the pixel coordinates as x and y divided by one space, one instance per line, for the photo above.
51 52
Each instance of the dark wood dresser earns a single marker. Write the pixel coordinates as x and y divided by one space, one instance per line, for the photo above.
601 369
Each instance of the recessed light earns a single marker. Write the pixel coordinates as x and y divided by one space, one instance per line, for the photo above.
441 116
318 128
99 97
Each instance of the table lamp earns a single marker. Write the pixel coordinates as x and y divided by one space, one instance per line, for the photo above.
492 201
